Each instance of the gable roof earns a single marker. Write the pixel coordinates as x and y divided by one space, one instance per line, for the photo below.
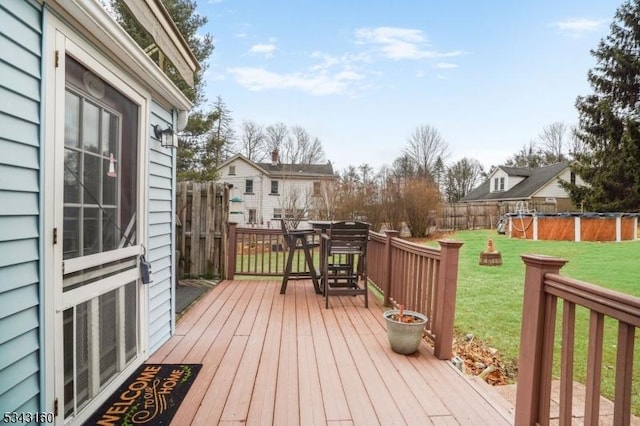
286 170
281 169
534 180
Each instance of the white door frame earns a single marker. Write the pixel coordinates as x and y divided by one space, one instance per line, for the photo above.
59 40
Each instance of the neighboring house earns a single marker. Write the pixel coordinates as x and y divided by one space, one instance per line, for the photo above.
264 193
86 188
530 186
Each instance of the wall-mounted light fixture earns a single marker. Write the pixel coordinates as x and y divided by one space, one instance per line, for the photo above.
167 137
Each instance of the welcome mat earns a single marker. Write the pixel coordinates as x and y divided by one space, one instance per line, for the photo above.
150 396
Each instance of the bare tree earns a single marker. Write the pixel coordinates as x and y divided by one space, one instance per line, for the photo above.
426 145
529 156
253 141
301 148
296 203
461 177
577 146
324 203
275 136
553 144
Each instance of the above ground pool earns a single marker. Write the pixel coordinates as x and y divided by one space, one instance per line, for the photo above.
573 226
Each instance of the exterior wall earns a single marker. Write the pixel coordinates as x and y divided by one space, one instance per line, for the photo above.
239 210
261 199
554 190
20 205
512 181
509 181
161 248
563 204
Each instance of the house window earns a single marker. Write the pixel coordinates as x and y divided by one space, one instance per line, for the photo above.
274 186
496 182
573 178
252 215
232 170
501 184
289 214
277 213
316 189
248 186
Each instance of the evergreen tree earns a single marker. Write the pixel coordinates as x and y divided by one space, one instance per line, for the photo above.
188 22
609 126
207 138
206 142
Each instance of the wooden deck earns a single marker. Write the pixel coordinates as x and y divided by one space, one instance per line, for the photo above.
283 359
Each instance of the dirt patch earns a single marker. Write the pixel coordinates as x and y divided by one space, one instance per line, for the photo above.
476 358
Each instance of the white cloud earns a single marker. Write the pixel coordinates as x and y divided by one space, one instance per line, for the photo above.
576 27
328 60
258 79
445 65
265 49
348 75
399 43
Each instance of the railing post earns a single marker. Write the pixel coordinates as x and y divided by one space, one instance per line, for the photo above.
232 250
386 281
532 336
445 297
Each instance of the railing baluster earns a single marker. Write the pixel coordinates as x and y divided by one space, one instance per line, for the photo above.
594 368
566 362
624 370
546 366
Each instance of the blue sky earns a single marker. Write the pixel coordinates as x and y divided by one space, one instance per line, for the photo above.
362 75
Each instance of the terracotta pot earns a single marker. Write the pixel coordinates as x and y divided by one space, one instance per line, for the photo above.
404 337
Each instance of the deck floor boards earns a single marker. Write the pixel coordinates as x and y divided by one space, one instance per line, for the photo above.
272 359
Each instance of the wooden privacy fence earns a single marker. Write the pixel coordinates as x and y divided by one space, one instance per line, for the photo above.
203 213
420 278
543 288
454 216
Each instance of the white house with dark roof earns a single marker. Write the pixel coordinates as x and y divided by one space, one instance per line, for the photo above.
529 185
264 193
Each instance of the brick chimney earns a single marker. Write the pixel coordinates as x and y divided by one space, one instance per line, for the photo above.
274 157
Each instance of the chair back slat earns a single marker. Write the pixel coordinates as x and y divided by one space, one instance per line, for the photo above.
348 236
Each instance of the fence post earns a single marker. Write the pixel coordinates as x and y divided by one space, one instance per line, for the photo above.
532 336
386 281
446 297
232 250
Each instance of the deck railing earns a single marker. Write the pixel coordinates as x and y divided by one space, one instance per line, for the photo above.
261 252
543 287
421 278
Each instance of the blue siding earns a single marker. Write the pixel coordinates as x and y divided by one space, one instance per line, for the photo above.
20 94
161 237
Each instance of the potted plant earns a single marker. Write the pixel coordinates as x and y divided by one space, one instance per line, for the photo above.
404 329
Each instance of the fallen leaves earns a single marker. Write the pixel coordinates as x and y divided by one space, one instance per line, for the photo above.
479 359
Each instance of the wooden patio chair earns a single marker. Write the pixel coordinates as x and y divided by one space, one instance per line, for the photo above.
344 269
295 240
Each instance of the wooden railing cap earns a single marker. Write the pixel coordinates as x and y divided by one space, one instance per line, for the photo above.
542 260
450 243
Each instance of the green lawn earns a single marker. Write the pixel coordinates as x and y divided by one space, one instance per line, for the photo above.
489 299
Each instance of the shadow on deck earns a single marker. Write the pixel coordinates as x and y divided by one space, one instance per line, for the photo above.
284 359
